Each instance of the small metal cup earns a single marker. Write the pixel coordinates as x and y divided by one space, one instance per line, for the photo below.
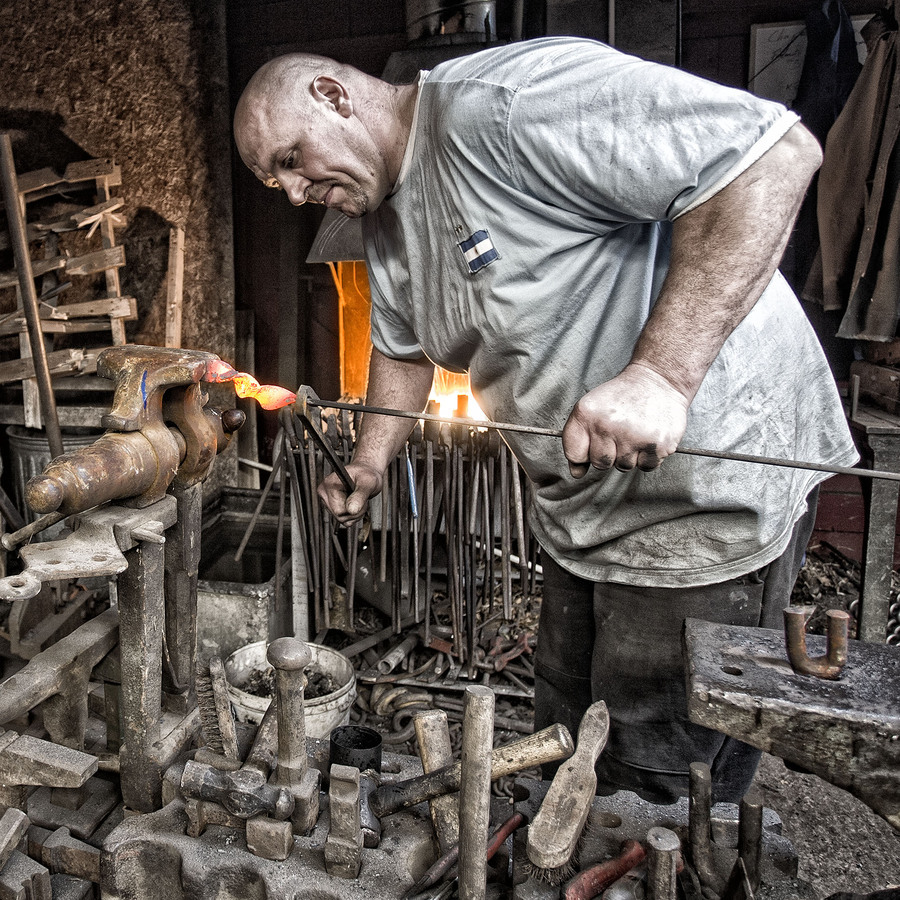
356 745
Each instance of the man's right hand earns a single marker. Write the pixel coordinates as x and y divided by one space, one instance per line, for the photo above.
348 507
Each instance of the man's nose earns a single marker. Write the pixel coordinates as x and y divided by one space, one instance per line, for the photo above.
297 189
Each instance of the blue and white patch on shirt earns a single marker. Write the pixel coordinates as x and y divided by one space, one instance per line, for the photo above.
478 251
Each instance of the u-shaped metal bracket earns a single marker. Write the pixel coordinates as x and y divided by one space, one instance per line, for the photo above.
832 663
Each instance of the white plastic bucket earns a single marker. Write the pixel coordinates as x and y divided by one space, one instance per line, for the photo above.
322 714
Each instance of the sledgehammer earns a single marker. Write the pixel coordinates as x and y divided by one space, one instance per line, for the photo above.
548 745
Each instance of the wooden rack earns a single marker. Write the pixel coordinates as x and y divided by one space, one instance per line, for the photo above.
54 270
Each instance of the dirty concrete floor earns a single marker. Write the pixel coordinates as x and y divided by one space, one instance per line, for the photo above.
841 844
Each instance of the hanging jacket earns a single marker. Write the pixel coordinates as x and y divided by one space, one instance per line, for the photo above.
858 268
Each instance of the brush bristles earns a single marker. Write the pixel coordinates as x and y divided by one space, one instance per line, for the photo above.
562 873
206 702
553 877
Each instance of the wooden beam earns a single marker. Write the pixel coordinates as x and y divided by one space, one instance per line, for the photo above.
59 362
174 286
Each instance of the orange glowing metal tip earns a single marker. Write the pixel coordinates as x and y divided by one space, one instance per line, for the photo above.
269 396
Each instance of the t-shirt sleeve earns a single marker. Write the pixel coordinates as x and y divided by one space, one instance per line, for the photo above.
391 327
390 334
626 140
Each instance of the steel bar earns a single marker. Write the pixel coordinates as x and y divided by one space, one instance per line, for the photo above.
12 540
251 525
17 232
429 530
556 432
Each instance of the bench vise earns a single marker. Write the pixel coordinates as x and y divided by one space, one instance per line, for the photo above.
159 430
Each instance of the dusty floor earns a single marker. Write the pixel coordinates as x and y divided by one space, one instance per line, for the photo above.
841 844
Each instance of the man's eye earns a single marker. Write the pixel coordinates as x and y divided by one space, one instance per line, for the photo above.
289 162
272 183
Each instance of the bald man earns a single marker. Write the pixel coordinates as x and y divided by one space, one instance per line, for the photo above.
595 240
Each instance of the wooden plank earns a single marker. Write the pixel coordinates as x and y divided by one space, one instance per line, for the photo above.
85 170
174 287
59 362
59 326
106 306
69 416
880 385
886 353
10 278
98 261
108 236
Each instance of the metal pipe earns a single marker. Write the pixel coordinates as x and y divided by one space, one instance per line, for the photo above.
832 663
16 221
556 432
750 825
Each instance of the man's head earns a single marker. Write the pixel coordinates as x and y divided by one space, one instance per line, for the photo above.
322 131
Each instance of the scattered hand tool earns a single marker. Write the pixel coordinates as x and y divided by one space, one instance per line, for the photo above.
592 881
700 828
446 862
557 827
475 790
547 745
556 432
663 861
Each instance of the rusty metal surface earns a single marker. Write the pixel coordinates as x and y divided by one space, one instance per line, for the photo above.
58 678
141 375
831 664
846 731
94 548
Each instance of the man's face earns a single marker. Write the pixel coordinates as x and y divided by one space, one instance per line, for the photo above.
314 149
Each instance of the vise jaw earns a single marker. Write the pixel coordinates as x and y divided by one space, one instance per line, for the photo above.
159 431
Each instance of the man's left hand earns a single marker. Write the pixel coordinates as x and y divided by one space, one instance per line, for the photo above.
635 419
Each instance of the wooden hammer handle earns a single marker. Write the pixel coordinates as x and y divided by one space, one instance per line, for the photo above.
544 746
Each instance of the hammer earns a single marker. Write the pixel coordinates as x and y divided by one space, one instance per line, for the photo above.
544 746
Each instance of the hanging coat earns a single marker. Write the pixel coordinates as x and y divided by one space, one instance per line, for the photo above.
858 269
830 68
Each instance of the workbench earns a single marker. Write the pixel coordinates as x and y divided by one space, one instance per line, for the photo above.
877 434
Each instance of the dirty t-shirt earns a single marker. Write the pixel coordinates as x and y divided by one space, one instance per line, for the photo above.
526 242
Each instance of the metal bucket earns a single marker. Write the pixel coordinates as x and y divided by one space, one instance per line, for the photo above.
29 455
322 713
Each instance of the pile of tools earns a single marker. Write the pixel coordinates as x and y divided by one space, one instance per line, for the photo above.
123 771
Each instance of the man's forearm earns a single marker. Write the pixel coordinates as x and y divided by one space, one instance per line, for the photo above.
724 253
395 384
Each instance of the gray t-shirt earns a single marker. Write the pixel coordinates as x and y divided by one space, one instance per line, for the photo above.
527 241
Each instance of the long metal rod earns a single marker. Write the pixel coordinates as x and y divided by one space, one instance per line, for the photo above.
555 432
17 229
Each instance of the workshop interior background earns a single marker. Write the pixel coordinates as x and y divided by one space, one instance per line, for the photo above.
150 85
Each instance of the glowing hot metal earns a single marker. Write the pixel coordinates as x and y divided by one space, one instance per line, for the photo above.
269 396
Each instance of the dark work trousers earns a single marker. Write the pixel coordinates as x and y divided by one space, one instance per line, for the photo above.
622 644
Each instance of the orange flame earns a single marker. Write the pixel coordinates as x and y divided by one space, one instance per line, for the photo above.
269 396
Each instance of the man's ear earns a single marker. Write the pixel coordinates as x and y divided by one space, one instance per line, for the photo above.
326 89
